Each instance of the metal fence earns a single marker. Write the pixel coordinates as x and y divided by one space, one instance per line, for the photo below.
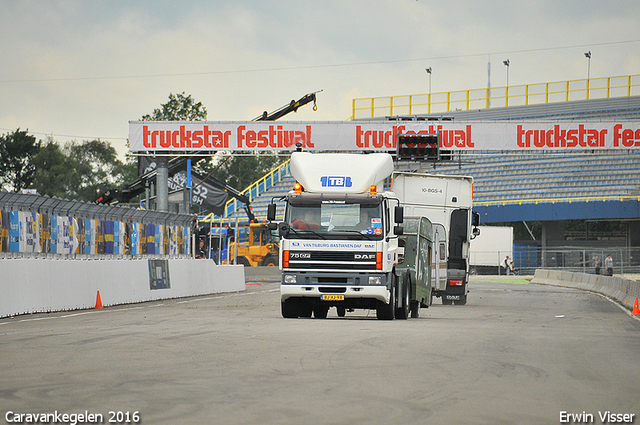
526 258
40 226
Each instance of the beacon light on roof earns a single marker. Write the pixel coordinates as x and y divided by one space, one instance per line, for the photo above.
373 189
297 188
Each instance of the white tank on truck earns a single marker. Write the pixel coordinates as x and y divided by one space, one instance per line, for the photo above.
339 240
447 201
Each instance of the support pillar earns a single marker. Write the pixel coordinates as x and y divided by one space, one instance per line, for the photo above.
552 231
162 185
633 234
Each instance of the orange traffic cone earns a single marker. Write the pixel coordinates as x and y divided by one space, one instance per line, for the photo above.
636 310
98 301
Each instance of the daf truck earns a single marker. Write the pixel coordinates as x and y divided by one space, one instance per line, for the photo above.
340 239
447 201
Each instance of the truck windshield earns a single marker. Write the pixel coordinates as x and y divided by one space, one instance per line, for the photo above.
336 220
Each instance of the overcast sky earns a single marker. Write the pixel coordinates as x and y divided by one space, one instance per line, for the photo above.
79 70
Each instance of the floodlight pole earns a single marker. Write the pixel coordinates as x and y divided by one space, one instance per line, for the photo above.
588 56
429 97
506 90
507 63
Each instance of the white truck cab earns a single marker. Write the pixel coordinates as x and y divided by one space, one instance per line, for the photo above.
339 238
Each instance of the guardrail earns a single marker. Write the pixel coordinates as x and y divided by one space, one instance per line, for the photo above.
40 226
31 285
622 290
519 95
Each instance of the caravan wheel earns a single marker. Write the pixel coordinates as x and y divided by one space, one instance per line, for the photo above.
404 289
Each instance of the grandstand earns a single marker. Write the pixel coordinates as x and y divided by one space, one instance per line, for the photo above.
544 186
502 176
550 185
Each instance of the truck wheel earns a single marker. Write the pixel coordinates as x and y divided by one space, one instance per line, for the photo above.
461 301
290 308
387 311
403 308
415 309
341 311
243 261
270 261
305 309
445 301
320 311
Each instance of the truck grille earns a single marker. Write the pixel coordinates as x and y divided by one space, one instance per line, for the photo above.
342 260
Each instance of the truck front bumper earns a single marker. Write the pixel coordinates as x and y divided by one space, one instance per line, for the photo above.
380 293
352 286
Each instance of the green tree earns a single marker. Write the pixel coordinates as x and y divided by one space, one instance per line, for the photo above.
17 150
98 168
178 108
80 171
129 168
242 171
56 174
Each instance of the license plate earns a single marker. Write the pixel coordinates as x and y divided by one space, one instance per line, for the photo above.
453 297
332 297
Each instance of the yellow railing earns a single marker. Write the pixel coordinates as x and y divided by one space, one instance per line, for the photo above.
527 94
620 198
252 191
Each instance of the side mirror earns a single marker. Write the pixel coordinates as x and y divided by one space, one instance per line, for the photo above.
398 214
271 212
283 229
398 230
475 219
272 226
476 232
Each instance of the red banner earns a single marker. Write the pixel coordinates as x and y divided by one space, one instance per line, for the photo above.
204 136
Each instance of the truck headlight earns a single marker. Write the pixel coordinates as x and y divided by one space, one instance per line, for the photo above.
375 280
290 278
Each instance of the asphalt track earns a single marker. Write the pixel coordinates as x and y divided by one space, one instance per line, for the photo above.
516 354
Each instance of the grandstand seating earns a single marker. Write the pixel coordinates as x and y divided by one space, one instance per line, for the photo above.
259 205
502 176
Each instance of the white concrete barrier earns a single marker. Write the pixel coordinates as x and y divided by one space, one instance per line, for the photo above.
623 291
47 285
